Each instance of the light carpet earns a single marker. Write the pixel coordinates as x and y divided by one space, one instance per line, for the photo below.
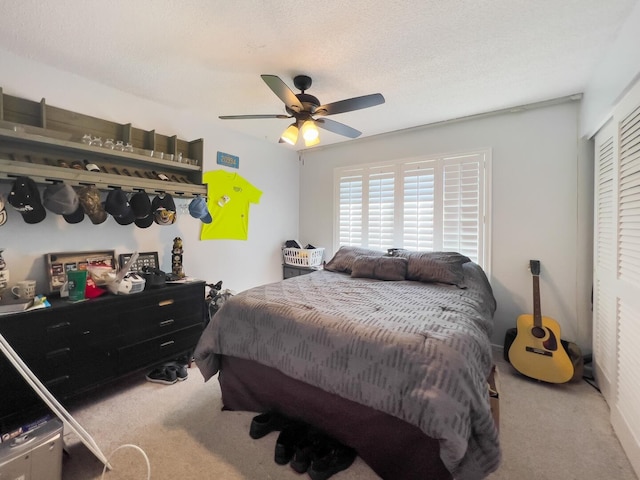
548 432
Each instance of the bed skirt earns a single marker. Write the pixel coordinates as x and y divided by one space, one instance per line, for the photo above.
393 448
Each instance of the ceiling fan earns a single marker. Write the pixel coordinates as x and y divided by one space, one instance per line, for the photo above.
304 107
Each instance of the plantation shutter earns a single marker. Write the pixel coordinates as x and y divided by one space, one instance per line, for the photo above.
462 206
426 204
419 188
380 225
350 208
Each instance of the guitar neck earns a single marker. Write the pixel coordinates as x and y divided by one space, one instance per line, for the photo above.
537 315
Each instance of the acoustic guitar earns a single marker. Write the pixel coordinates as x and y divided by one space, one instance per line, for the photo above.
537 351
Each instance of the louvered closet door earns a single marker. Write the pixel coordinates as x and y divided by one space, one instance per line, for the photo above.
605 345
616 314
628 303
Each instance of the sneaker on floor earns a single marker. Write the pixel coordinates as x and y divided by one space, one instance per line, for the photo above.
179 369
162 375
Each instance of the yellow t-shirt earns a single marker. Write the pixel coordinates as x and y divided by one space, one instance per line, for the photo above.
228 197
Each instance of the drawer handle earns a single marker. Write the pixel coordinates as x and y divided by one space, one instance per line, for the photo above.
57 381
58 325
164 303
164 323
166 344
57 353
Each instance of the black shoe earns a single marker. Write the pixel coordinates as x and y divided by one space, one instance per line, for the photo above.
287 441
308 449
266 423
162 375
179 369
334 458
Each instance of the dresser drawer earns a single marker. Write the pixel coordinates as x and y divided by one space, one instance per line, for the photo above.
66 368
158 349
57 328
162 314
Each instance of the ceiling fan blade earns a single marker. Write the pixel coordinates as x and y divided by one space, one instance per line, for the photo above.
283 92
351 104
337 127
244 117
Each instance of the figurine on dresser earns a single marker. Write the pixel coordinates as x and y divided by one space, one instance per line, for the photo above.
176 258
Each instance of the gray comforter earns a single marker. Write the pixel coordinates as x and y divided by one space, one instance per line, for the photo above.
418 351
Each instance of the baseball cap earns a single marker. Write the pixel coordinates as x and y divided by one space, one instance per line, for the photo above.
89 197
25 198
141 206
62 199
164 209
117 205
198 209
3 211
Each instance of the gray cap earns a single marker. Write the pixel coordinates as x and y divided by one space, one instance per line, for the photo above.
62 199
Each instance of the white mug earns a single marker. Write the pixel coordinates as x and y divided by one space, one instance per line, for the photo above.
25 289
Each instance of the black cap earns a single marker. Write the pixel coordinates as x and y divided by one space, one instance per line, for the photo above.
164 209
25 198
141 206
117 205
75 217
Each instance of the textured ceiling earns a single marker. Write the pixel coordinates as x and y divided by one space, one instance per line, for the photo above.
433 60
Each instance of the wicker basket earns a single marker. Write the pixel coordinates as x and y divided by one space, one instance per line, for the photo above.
303 257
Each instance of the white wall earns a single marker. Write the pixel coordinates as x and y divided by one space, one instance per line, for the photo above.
542 184
541 195
613 76
240 264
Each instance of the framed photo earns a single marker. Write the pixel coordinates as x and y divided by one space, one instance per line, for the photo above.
145 259
59 263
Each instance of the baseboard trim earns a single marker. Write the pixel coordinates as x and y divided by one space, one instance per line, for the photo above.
627 439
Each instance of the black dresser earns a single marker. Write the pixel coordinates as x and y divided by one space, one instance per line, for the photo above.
76 347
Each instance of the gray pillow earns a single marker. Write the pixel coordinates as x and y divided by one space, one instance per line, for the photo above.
342 261
440 267
381 268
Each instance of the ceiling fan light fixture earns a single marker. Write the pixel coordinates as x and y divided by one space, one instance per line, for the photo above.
290 135
311 143
309 131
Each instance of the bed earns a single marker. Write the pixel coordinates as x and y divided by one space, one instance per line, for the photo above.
388 354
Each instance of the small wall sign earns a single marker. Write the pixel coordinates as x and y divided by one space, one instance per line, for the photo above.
228 160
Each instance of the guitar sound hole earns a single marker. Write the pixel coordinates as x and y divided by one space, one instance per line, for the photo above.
538 332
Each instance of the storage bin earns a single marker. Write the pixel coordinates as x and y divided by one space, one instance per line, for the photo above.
305 257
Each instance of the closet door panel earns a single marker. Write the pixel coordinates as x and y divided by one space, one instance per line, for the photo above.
605 328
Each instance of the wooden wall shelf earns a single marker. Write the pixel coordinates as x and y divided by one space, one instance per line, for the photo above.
42 142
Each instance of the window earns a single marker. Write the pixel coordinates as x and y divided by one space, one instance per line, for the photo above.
426 204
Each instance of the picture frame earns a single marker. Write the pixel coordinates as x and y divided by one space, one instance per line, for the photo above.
145 259
59 263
